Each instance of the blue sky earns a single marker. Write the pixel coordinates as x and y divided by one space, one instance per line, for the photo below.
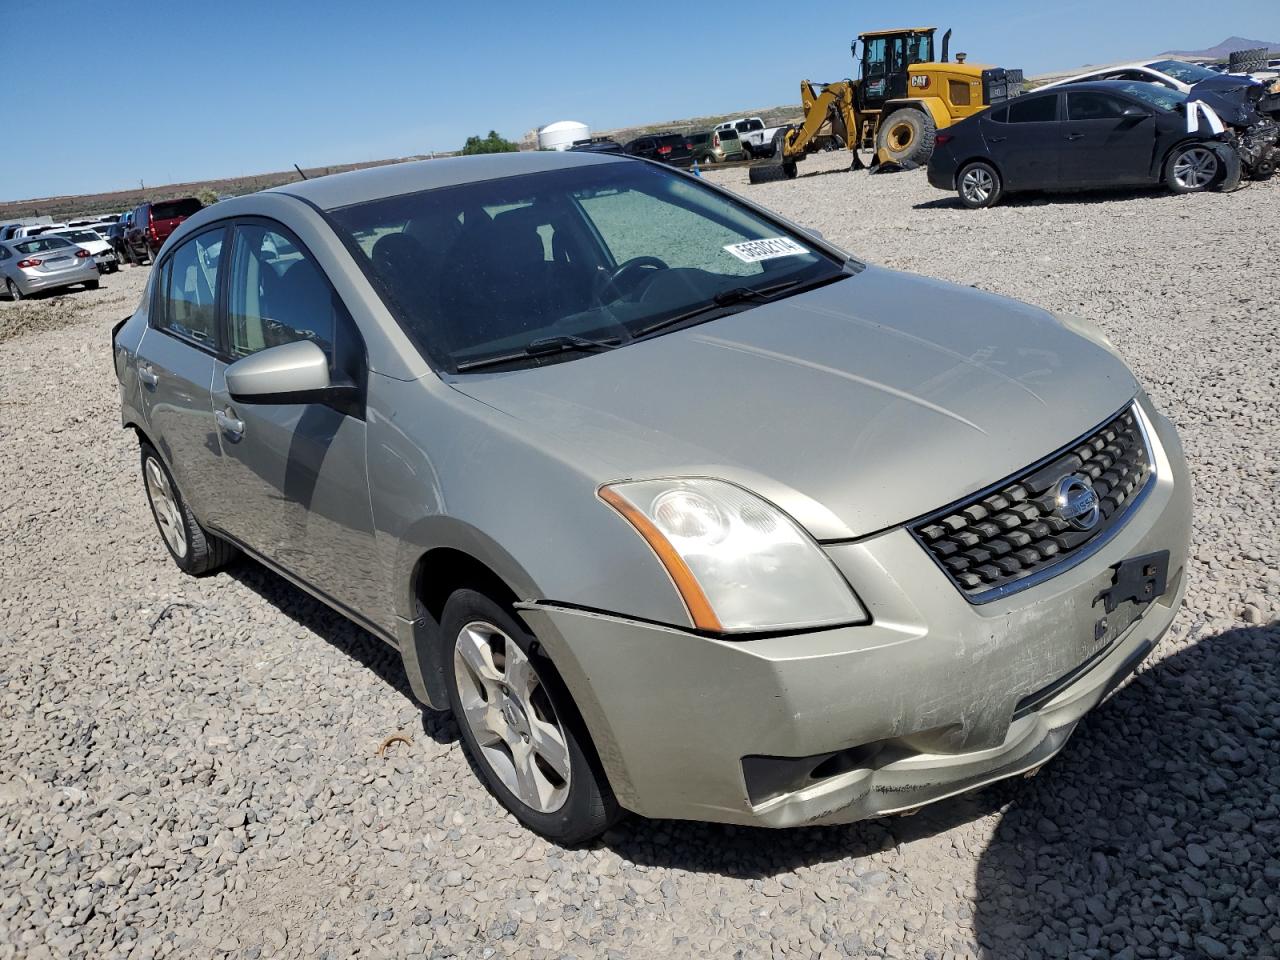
176 90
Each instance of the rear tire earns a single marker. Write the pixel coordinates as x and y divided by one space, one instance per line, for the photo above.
92 284
1192 168
509 695
906 137
12 289
979 185
193 549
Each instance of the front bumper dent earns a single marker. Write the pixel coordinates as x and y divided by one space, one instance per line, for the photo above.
951 694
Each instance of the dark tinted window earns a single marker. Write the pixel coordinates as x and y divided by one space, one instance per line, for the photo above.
999 116
1089 105
168 209
747 126
277 294
1034 109
190 288
700 138
728 134
671 139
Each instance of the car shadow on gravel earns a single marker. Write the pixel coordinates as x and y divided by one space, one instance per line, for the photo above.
357 643
1036 199
1157 826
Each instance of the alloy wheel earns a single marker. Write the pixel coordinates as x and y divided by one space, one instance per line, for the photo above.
168 517
14 293
1195 168
977 185
507 709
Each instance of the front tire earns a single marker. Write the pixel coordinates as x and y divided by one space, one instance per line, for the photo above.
1192 168
906 138
979 185
193 549
518 724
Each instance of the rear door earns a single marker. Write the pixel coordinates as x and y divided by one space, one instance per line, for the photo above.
296 489
176 360
1104 145
1024 140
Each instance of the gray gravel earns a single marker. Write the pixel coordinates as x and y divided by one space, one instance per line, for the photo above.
188 767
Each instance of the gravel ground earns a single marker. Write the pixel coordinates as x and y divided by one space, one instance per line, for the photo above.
188 767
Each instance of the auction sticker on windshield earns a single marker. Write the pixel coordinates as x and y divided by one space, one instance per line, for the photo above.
752 251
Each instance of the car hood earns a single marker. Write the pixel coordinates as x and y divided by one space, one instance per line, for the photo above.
1234 99
855 407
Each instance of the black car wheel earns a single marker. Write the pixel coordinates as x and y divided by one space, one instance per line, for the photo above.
519 724
979 185
1191 168
12 288
193 549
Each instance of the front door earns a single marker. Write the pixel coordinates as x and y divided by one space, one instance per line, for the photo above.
294 478
1102 144
176 361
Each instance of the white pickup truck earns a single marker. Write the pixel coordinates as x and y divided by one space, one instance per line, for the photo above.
757 139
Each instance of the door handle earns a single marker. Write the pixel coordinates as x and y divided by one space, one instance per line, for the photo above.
227 422
996 139
148 376
1074 136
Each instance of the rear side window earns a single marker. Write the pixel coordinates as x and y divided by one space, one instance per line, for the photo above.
748 126
277 295
190 290
1089 105
1034 109
168 209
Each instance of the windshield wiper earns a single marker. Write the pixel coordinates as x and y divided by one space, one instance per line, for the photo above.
542 347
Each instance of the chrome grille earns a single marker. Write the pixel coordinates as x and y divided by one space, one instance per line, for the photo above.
989 543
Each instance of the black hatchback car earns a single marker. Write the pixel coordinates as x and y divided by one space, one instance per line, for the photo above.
672 148
1085 135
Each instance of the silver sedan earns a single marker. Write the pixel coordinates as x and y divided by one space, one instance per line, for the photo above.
680 509
44 263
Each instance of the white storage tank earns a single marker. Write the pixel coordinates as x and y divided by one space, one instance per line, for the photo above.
562 134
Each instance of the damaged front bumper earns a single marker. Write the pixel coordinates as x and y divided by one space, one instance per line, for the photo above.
935 696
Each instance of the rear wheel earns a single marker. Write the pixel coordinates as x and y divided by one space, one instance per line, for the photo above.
194 550
519 725
979 185
906 137
92 284
1192 168
12 289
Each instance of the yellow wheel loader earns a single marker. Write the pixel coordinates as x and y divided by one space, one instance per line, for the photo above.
902 98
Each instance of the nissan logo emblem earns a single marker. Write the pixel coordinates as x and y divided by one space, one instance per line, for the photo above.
1077 502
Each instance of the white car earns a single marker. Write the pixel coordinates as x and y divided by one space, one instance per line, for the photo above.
1175 74
756 138
97 245
35 230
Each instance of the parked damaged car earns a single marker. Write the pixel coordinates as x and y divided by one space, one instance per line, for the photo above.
1249 113
1109 133
678 508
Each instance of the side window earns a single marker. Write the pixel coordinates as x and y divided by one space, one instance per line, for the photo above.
1034 109
190 290
277 295
1093 106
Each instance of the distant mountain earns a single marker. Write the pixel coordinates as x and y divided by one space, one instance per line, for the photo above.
1224 49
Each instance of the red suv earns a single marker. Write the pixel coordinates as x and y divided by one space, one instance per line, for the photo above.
152 224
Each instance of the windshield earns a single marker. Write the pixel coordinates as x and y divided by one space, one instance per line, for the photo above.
1153 94
1181 70
486 269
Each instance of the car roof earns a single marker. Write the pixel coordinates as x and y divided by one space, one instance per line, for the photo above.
394 179
1111 86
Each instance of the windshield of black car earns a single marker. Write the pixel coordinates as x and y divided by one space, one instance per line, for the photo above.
1153 94
1181 70
482 270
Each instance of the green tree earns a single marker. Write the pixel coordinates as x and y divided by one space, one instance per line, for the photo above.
493 143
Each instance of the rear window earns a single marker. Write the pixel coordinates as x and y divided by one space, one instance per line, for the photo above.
700 138
81 236
671 139
1034 109
168 209
41 245
728 134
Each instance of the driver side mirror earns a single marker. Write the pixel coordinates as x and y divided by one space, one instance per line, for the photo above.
816 234
295 372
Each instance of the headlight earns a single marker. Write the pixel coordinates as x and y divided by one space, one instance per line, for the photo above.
739 562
